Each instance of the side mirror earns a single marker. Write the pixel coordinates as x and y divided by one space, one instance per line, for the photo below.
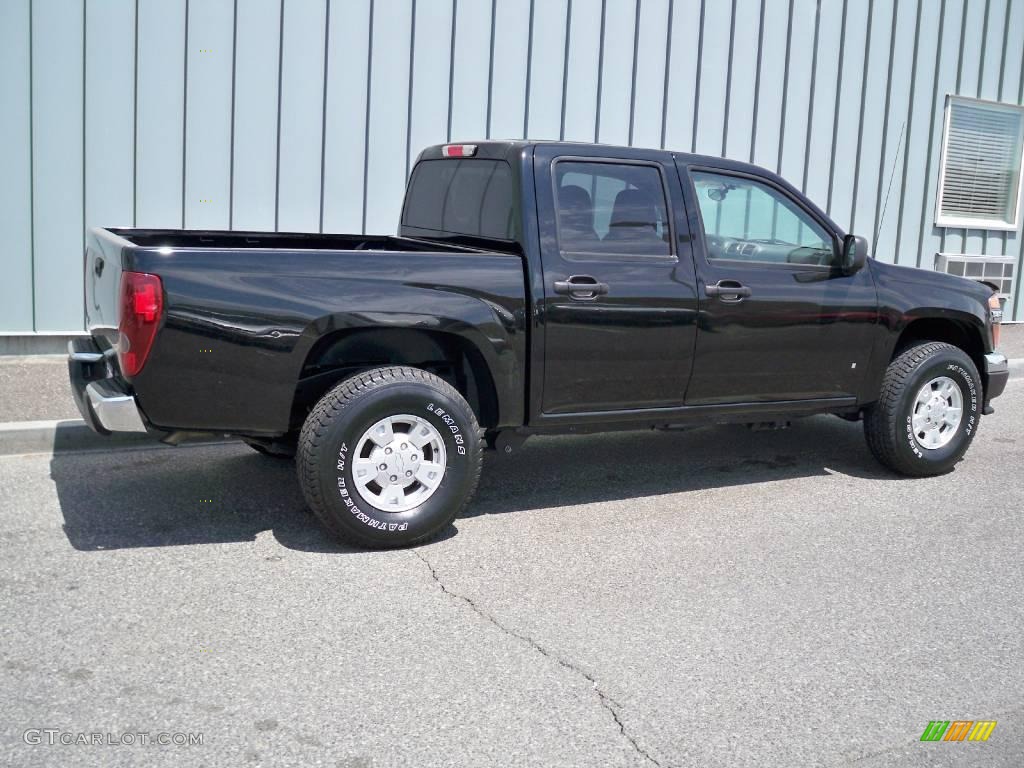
855 253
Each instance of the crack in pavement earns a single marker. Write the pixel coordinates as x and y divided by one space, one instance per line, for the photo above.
605 700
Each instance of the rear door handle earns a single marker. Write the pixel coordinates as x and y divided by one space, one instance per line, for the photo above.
728 290
581 287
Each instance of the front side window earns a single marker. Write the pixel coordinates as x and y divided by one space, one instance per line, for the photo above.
745 220
611 208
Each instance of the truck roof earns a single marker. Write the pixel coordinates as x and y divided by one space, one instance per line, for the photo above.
510 149
506 148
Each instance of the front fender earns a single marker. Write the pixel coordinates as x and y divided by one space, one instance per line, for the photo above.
907 295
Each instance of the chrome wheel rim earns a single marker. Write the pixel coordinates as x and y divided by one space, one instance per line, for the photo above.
938 411
399 463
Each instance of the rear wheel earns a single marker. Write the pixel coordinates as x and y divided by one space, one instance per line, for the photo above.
389 457
928 411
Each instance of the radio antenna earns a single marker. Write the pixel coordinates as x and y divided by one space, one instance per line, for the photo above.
878 229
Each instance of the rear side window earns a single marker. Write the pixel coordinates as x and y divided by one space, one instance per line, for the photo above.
611 208
464 197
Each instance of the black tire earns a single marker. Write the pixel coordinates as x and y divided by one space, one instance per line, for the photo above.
887 423
330 436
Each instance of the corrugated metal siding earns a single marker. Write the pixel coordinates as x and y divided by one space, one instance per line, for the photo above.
305 114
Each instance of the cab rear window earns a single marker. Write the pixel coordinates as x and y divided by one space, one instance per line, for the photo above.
472 197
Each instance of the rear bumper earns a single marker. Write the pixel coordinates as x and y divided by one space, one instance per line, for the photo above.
104 402
997 372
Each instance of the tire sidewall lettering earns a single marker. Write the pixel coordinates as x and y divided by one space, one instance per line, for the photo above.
972 421
911 440
449 422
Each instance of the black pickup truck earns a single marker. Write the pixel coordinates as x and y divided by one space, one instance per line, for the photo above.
532 288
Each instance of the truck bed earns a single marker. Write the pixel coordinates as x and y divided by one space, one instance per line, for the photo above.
215 238
242 312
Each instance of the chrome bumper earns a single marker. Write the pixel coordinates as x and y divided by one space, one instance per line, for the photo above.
100 396
115 410
996 362
997 372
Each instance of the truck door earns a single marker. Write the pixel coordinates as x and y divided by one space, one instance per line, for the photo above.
779 320
620 295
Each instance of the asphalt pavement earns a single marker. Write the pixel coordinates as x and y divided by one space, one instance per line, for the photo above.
708 598
35 388
1011 343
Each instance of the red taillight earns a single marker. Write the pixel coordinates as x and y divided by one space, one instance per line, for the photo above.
142 301
458 150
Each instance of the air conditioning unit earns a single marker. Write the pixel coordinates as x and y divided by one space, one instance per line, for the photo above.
996 270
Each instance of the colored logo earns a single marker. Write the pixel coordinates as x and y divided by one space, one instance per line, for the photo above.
958 730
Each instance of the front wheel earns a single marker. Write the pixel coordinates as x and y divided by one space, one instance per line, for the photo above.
389 457
927 412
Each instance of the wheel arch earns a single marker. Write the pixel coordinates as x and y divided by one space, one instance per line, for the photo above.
454 358
961 332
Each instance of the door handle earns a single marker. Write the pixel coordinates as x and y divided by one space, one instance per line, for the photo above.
728 290
581 287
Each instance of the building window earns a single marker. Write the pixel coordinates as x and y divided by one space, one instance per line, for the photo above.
980 171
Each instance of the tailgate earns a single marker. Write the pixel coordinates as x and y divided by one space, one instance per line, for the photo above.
102 285
103 396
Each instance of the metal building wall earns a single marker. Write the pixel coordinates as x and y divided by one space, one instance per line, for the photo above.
305 114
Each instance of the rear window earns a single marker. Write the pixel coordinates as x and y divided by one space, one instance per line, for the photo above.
464 197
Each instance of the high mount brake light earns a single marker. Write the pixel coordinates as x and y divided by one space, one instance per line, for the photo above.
458 150
142 303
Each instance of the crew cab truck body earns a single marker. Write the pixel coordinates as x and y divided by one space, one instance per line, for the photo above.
532 287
